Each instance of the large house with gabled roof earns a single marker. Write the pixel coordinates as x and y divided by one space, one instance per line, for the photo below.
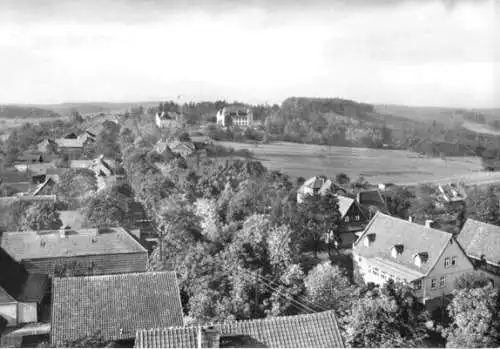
428 259
481 243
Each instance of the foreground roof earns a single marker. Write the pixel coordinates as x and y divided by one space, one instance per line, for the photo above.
83 242
480 239
115 305
318 330
386 232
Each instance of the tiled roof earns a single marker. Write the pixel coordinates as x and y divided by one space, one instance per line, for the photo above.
318 330
390 231
14 176
83 242
95 130
116 305
69 143
478 238
40 168
81 163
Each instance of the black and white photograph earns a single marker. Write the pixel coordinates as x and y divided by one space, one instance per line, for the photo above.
249 174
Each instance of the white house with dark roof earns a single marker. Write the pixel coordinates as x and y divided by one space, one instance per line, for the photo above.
429 259
481 243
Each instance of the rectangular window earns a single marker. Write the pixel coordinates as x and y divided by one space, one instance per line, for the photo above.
417 284
442 281
447 262
454 261
357 218
433 283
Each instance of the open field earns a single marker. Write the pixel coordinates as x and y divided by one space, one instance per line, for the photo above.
376 165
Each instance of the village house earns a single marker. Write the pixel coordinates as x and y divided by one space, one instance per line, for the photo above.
317 330
116 306
93 131
47 146
107 171
428 259
76 252
19 181
353 216
235 116
481 243
168 119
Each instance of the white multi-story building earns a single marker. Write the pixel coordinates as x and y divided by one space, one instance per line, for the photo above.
428 259
235 116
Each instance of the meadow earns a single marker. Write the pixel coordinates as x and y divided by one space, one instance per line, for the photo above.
375 165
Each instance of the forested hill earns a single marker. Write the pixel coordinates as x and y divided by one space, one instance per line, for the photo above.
13 111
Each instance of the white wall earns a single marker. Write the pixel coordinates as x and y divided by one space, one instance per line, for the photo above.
451 273
9 312
26 312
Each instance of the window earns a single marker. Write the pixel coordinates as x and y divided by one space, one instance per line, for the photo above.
433 283
453 261
383 275
357 218
375 271
447 262
347 219
417 285
442 281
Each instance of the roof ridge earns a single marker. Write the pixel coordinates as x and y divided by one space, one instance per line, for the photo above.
110 276
245 321
413 223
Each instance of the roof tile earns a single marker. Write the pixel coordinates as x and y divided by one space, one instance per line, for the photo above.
116 305
318 330
479 238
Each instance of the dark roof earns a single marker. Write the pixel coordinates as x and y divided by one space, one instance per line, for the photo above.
318 330
21 285
387 231
30 157
84 242
5 297
21 187
116 305
14 176
478 239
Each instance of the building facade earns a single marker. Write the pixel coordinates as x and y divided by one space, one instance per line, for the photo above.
235 116
428 259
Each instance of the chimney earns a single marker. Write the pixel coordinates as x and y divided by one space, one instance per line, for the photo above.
410 219
429 223
208 337
63 231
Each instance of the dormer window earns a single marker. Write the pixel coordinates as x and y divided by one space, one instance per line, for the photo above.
421 258
396 251
369 239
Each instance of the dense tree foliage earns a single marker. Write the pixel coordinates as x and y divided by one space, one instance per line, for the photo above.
387 317
76 186
476 322
41 217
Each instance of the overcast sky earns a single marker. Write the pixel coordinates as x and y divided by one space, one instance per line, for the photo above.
435 53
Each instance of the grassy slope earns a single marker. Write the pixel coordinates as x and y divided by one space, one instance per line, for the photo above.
376 165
